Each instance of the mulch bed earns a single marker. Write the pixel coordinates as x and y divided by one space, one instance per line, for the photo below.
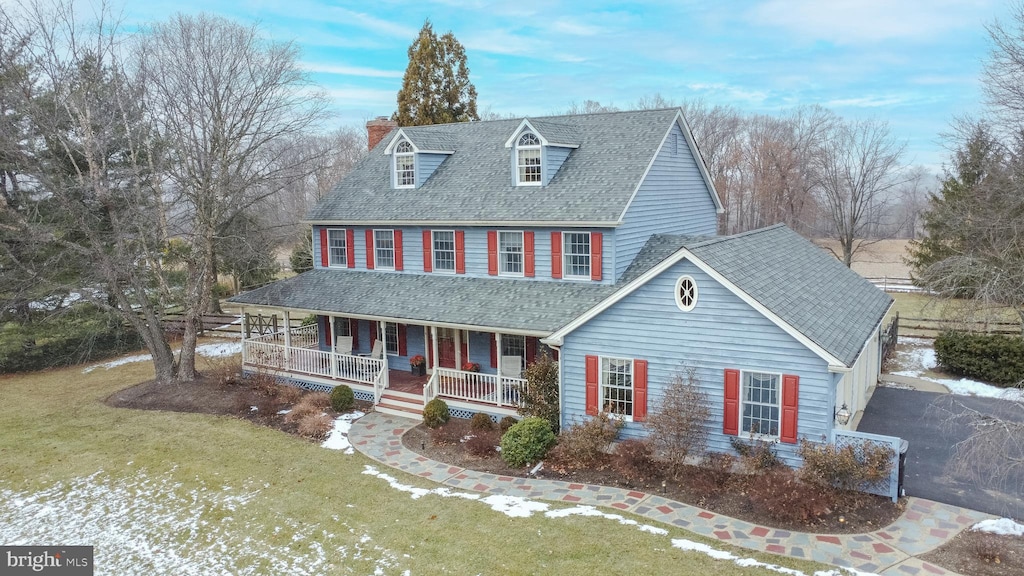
721 493
980 554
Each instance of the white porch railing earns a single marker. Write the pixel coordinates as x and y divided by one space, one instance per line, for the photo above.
301 337
477 387
363 370
430 388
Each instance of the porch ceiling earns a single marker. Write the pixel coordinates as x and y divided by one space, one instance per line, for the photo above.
540 306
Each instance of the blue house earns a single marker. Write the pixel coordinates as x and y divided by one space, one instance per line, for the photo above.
475 247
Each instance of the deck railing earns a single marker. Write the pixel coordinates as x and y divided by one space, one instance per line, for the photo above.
477 387
360 369
301 337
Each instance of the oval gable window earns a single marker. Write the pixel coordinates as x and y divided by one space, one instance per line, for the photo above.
686 293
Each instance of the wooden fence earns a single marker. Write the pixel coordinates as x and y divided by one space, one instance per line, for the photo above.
932 327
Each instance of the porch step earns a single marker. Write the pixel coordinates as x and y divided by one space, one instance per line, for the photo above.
402 410
403 404
399 395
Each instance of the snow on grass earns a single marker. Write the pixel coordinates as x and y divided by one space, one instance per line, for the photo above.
215 350
1000 526
338 437
917 356
691 546
145 524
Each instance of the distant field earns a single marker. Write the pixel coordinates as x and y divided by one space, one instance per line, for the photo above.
883 258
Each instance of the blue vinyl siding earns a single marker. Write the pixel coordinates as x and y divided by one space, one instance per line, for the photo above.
721 332
425 166
553 157
673 199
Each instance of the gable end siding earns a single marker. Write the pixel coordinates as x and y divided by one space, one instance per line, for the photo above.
425 166
673 199
554 156
647 325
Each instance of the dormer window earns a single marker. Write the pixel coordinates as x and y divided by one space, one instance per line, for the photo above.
405 165
528 168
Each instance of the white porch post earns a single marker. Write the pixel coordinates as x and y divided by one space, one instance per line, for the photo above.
330 349
245 331
433 346
459 360
287 340
497 349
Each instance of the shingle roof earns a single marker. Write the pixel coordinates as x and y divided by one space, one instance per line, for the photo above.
556 132
474 184
539 306
808 289
426 139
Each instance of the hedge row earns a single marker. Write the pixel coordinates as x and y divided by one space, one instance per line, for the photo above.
82 334
994 358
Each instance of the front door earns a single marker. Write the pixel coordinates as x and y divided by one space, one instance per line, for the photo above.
446 347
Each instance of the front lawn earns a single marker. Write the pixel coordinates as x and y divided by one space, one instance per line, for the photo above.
169 492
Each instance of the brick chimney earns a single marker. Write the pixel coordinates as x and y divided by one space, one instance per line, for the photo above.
377 129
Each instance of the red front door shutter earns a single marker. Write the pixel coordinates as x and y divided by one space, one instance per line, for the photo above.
324 260
327 331
593 374
790 401
492 252
460 251
369 249
528 258
403 348
556 254
494 350
350 248
531 350
639 390
428 260
373 334
731 418
353 329
595 255
399 260
464 348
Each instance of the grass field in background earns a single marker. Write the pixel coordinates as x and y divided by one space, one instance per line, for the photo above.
185 493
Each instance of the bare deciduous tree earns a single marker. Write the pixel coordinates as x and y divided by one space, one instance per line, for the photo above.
678 423
992 455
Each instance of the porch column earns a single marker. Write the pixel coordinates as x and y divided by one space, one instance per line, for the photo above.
433 345
245 334
459 360
330 349
497 348
287 339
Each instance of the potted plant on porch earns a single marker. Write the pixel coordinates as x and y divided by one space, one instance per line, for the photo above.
418 365
470 367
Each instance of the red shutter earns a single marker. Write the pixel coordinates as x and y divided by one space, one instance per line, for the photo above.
465 347
430 348
592 375
460 252
492 252
399 260
528 262
350 247
373 334
639 390
531 350
731 419
369 250
403 333
353 330
494 350
428 258
324 260
790 401
327 331
556 254
595 255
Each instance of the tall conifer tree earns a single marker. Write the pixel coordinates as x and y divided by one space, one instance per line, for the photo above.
436 87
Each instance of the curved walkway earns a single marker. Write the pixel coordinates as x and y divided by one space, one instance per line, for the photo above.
892 550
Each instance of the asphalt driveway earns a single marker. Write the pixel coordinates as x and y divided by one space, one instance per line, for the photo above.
904 413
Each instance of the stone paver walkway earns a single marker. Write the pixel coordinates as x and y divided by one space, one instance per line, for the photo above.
890 551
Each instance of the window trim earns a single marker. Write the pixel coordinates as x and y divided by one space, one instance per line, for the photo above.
344 248
376 261
411 154
678 296
540 158
601 387
522 255
384 334
433 254
565 256
743 432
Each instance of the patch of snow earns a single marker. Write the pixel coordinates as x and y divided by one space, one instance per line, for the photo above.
691 546
282 412
338 437
1000 526
918 355
214 350
253 408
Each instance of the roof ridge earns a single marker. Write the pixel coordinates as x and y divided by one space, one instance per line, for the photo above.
744 234
520 118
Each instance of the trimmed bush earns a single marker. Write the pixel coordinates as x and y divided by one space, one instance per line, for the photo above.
289 394
505 423
315 426
435 413
483 443
584 443
342 398
993 358
781 495
528 441
756 455
633 460
847 468
320 400
481 422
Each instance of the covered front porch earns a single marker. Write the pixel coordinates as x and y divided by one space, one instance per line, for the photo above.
472 370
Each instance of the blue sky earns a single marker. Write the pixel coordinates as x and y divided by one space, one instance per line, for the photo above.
914 63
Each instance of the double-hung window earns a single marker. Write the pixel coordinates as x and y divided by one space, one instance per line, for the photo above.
576 254
337 254
391 338
444 250
510 253
759 412
405 165
514 345
617 386
528 160
384 249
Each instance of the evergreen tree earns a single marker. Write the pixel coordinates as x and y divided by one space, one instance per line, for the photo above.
436 87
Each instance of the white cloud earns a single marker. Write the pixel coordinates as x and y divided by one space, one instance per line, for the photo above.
867 102
574 28
867 21
343 70
352 95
